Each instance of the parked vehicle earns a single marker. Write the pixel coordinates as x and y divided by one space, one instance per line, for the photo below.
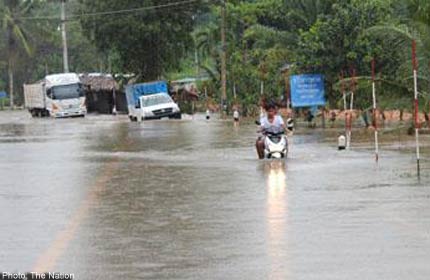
58 95
150 101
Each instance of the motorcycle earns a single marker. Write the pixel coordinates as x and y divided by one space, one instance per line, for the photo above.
275 145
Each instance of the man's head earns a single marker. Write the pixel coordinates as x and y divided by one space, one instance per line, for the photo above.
271 109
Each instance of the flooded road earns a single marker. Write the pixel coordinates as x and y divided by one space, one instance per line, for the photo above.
104 198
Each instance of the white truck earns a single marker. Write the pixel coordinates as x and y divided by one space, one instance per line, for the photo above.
150 101
58 96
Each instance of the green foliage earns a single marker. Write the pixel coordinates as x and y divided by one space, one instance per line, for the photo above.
16 36
36 50
148 42
325 37
338 42
409 21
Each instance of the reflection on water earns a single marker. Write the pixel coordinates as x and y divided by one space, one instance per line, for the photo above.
277 214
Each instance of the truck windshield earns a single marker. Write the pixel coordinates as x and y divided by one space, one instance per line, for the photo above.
155 100
67 92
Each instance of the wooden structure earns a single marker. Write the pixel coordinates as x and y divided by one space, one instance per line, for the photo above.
103 94
184 90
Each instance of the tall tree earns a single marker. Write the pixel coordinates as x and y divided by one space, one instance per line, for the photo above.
150 38
15 35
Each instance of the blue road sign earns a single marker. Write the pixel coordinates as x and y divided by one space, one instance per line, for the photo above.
3 94
307 90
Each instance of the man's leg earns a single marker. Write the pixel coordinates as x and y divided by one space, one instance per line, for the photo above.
260 147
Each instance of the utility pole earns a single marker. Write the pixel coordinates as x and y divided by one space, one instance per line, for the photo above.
64 36
223 58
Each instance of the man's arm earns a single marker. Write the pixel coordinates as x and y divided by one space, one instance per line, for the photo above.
282 124
261 128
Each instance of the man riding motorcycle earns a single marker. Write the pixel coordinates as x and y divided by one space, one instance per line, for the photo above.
272 123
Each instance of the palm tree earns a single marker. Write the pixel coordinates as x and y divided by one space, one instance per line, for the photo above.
15 35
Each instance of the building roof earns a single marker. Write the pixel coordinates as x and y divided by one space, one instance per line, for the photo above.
99 82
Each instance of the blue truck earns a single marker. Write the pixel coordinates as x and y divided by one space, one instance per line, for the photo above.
150 101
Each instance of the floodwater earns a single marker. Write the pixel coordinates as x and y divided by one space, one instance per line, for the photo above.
104 198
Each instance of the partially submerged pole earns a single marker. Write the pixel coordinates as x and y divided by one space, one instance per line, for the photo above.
342 86
374 112
416 111
114 101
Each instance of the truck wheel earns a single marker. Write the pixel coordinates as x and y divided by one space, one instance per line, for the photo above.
177 116
33 113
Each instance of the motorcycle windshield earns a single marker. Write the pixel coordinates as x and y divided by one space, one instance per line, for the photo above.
273 130
275 139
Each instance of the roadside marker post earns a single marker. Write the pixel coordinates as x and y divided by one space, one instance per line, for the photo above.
416 112
351 108
374 112
342 85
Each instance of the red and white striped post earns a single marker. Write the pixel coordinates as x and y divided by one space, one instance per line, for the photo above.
416 111
375 122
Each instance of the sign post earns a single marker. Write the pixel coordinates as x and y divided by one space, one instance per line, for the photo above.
307 90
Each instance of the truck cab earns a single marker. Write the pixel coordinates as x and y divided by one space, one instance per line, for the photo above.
65 95
151 101
58 96
157 106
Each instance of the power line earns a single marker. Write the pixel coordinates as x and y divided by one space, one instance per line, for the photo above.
125 11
